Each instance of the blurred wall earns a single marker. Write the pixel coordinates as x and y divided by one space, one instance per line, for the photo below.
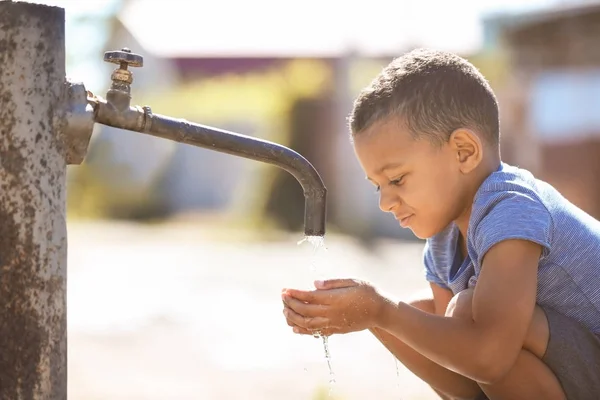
551 104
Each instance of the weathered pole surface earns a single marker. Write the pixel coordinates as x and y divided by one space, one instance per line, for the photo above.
33 239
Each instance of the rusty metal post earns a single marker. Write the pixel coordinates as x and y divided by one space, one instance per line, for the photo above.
33 237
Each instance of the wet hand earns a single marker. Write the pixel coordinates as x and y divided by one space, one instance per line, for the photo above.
337 306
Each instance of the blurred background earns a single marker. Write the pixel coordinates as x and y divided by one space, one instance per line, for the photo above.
177 255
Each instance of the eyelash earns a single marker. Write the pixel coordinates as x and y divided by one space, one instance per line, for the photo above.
395 182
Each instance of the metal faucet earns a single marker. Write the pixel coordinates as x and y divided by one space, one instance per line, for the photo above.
117 112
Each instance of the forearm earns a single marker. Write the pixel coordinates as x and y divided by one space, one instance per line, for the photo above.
455 344
438 377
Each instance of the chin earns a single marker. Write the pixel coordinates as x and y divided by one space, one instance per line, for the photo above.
423 233
420 235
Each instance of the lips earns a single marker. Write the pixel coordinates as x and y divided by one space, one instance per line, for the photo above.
404 219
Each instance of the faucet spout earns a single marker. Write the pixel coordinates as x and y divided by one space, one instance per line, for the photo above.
141 119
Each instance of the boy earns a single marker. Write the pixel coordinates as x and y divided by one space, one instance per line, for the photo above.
514 268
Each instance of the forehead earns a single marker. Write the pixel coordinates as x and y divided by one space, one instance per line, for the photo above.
386 143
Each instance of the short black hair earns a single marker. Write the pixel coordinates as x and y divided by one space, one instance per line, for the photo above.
433 93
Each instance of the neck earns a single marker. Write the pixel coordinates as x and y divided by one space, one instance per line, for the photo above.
484 170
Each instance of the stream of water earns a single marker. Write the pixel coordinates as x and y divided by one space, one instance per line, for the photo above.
318 242
397 374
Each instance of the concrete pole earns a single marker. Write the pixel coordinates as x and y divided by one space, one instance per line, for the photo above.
33 238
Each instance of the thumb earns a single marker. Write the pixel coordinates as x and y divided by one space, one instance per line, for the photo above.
335 283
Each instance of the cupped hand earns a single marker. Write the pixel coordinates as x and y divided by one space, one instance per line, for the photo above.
336 306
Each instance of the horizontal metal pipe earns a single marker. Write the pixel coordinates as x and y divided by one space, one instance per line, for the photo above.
142 120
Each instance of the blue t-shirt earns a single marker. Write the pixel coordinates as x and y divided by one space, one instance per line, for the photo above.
512 204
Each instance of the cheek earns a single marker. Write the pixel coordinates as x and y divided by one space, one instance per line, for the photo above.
431 194
435 200
446 191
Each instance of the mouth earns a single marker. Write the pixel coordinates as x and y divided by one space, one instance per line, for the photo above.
404 221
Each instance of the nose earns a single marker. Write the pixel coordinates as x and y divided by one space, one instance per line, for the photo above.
388 200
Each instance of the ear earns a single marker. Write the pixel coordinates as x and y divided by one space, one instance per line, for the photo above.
468 149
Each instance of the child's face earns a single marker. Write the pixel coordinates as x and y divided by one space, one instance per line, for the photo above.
418 182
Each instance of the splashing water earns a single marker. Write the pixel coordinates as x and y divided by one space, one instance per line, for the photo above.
397 373
319 242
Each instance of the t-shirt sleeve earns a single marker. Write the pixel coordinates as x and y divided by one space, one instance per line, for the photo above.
430 272
512 215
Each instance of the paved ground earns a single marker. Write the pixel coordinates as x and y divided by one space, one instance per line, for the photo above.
177 312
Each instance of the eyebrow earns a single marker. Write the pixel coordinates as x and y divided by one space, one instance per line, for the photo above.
390 166
386 167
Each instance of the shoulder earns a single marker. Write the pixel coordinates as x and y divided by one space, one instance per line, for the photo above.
505 184
509 205
508 190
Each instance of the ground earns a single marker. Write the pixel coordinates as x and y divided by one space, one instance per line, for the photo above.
181 311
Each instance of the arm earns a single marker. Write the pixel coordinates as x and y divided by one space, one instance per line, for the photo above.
441 298
438 377
484 348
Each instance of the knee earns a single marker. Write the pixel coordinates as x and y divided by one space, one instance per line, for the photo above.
538 333
461 305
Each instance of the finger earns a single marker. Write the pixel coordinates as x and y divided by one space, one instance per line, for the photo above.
336 283
311 323
327 332
299 330
307 296
294 319
316 323
324 333
302 331
290 322
305 309
287 320
316 333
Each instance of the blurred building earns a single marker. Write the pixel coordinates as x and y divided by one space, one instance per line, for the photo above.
187 46
548 97
551 102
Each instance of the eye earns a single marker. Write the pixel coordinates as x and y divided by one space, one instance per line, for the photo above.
397 182
394 182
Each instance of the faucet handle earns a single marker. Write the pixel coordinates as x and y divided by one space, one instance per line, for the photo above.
119 94
124 58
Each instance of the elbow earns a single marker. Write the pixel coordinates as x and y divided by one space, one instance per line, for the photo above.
490 374
493 356
492 367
